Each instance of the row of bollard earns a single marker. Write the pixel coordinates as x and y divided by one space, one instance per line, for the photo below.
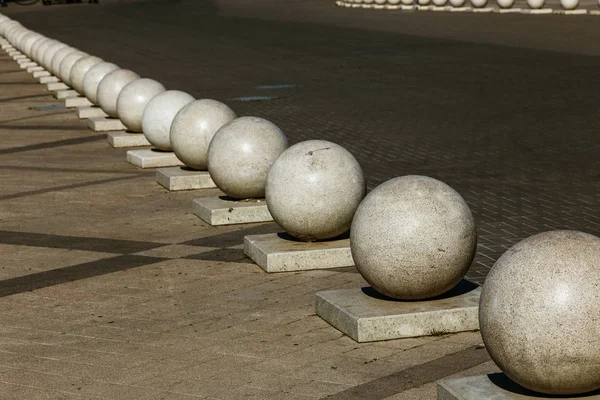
412 238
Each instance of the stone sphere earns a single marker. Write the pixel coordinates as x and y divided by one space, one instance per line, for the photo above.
413 238
479 3
313 190
80 69
457 3
439 3
36 46
194 127
133 99
110 87
29 42
408 2
57 59
49 54
66 65
241 154
539 313
39 55
535 4
159 115
93 77
569 4
506 3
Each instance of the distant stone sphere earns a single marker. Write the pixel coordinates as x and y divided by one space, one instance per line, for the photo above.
241 154
39 55
569 4
539 313
133 99
413 238
36 46
457 3
57 59
66 65
93 77
535 4
313 190
506 3
479 3
49 54
159 115
194 127
110 87
30 41
407 2
80 69
439 3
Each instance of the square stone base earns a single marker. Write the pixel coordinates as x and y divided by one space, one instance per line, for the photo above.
41 74
594 12
461 9
77 101
63 94
509 10
493 387
46 79
120 139
34 68
367 316
183 178
581 11
227 211
279 252
27 65
91 112
101 124
55 86
149 158
537 11
483 10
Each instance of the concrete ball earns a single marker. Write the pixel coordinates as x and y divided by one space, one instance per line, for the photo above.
241 154
36 46
457 3
479 3
413 238
80 69
39 55
569 4
67 64
110 87
535 4
133 99
57 59
194 127
313 190
506 3
93 77
159 115
539 313
49 54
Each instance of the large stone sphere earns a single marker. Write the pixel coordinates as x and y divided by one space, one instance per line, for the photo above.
313 190
194 127
569 4
110 87
133 99
457 3
539 313
36 46
49 54
30 41
413 238
39 54
93 77
506 3
66 65
159 115
240 155
535 4
479 3
80 69
57 59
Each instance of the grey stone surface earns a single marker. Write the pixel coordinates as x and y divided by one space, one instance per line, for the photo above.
275 252
149 158
67 64
34 68
102 124
133 100
57 59
413 238
93 77
159 115
178 178
72 102
241 154
80 69
40 74
314 188
110 87
49 54
491 387
227 211
119 139
366 316
65 93
55 85
540 317
194 127
90 112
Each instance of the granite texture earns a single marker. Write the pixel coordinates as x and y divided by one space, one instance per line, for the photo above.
133 99
194 127
183 178
227 211
111 86
150 158
159 115
67 64
314 188
101 124
540 315
241 154
80 70
120 139
93 78
413 238
277 252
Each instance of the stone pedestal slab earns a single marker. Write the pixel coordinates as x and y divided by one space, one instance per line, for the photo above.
537 11
91 112
101 124
461 9
34 68
46 79
119 139
149 158
227 211
366 316
509 10
41 74
63 94
77 101
580 11
55 86
483 10
279 252
27 65
183 178
494 387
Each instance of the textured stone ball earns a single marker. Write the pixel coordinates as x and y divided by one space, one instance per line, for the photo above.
36 46
569 4
240 155
80 69
413 238
39 55
439 3
194 127
479 3
133 99
57 59
457 3
93 77
539 313
159 115
49 54
30 41
66 65
110 87
506 3
535 4
313 190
